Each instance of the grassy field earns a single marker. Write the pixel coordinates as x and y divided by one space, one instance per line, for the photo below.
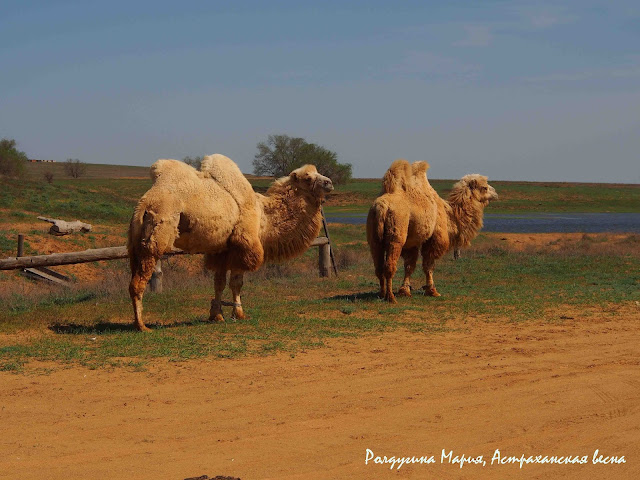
492 282
90 324
515 197
110 197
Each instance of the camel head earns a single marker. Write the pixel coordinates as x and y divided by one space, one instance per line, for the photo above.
473 188
308 179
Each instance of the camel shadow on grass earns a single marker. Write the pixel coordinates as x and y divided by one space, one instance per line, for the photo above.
355 297
106 328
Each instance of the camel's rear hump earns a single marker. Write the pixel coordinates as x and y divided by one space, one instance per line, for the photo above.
396 178
246 235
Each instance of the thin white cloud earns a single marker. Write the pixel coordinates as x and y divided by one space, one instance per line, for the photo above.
543 17
476 36
631 69
628 70
561 77
436 66
544 21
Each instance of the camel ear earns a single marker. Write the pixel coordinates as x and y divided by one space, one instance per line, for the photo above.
473 184
294 176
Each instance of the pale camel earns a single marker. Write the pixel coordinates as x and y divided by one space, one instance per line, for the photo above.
216 212
409 218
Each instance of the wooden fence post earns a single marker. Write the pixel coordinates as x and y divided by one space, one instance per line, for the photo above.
20 245
324 259
155 284
326 234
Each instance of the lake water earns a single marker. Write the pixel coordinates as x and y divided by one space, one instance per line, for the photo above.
540 222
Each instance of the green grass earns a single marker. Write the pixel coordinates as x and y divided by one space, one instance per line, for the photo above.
94 201
290 308
92 327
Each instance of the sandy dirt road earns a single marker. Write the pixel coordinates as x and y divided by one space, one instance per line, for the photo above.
529 388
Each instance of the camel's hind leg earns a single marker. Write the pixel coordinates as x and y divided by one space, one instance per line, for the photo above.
390 267
219 282
141 271
410 260
377 253
235 283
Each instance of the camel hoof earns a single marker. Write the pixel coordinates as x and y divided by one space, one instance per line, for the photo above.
431 292
142 328
404 292
390 298
238 314
217 318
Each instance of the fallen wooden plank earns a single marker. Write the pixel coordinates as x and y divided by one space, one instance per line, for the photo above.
38 274
53 273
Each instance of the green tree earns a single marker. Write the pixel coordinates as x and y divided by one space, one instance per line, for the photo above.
195 162
326 162
278 155
281 154
12 161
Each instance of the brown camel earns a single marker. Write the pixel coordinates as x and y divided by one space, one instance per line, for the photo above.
409 218
216 212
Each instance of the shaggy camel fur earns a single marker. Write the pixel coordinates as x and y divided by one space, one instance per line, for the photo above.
410 218
216 212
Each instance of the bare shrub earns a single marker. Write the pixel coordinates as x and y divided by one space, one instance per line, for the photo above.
277 270
48 176
75 168
346 258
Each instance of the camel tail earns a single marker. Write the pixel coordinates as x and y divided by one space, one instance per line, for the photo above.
376 221
136 237
145 237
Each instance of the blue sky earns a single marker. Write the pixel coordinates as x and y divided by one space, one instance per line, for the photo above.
513 90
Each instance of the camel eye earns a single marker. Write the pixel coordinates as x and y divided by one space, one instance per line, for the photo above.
483 189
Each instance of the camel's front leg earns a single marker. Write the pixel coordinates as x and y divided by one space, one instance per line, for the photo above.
235 282
431 251
141 271
219 282
410 260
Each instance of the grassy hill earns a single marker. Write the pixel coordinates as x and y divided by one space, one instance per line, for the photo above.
36 171
108 193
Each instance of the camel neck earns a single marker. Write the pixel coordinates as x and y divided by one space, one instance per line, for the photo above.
292 220
465 221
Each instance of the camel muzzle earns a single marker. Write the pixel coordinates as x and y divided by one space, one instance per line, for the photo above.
326 184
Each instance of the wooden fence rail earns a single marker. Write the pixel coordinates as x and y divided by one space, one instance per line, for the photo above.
114 253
